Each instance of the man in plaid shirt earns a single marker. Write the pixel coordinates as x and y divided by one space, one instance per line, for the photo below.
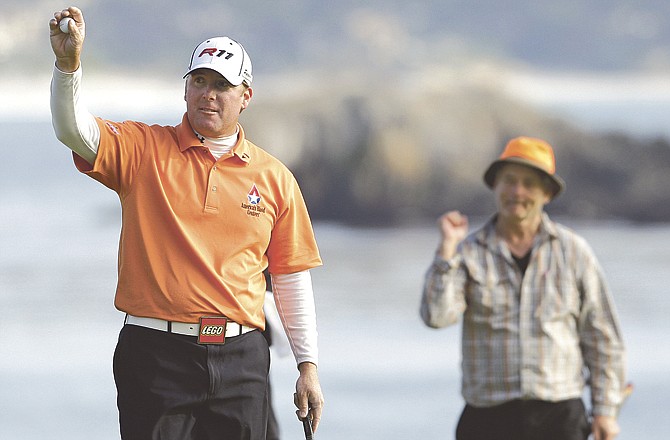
539 323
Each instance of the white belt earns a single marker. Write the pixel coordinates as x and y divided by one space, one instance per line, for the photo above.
184 328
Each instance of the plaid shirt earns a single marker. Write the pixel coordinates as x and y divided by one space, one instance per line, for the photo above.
539 335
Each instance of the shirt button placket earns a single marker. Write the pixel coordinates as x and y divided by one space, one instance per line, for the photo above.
212 198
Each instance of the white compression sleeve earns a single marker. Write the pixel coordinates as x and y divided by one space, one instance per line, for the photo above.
73 124
294 298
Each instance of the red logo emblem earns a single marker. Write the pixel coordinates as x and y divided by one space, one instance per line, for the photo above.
254 196
212 330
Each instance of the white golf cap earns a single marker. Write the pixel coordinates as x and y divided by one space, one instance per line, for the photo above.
225 56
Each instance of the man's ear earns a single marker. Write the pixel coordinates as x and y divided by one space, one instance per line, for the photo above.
246 98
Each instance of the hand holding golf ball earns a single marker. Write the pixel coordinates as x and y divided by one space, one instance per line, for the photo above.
66 34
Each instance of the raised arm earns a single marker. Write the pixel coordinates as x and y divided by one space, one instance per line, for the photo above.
443 300
73 124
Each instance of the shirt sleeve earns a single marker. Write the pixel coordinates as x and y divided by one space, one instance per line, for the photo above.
294 298
443 298
292 246
601 341
73 124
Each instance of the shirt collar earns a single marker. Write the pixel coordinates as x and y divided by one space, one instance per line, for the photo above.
487 234
187 138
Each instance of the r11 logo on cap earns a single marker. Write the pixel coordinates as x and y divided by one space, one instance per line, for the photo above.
212 330
212 51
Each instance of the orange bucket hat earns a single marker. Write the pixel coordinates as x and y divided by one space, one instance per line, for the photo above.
531 152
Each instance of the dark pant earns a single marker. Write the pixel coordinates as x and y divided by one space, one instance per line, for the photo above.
273 423
172 388
525 420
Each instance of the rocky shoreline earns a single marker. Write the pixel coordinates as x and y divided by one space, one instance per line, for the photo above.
392 152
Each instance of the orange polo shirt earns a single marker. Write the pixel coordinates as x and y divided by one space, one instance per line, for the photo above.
197 232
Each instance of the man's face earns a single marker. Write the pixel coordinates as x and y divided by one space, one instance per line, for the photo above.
520 192
213 104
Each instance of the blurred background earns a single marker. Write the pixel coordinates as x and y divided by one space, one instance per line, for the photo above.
387 112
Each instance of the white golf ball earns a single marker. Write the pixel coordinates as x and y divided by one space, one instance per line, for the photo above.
65 25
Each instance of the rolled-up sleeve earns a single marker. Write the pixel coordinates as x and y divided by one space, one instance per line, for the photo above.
443 299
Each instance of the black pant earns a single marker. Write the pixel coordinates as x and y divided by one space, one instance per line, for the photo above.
171 388
273 423
525 420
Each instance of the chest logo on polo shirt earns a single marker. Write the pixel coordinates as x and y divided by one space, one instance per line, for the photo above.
254 196
253 207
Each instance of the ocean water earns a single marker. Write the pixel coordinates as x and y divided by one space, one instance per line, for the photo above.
384 374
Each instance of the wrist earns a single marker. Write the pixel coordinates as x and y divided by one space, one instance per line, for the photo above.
447 250
67 65
307 367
